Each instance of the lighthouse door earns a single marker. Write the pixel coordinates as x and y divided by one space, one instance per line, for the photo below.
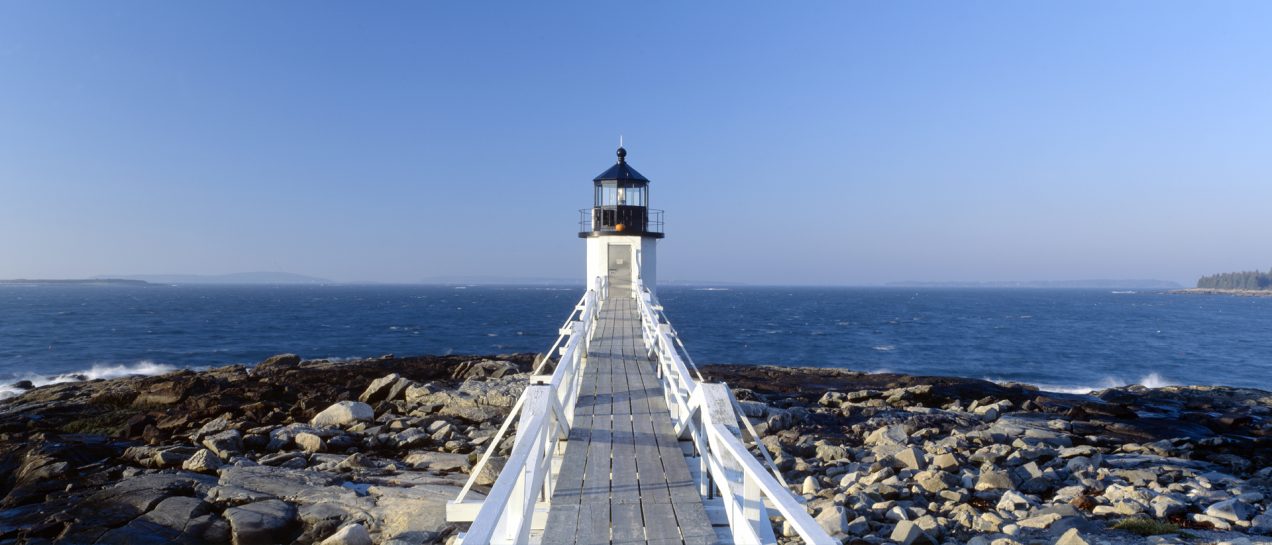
620 266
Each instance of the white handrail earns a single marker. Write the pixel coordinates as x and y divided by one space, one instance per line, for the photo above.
545 407
704 413
723 441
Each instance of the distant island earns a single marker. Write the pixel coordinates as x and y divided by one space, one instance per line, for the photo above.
1249 280
232 278
78 281
1251 283
1141 284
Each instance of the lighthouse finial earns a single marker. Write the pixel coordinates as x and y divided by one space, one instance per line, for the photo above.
622 153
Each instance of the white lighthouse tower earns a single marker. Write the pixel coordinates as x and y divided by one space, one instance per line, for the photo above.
621 230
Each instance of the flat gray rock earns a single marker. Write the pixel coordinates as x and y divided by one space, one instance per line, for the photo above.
177 520
262 523
437 461
278 482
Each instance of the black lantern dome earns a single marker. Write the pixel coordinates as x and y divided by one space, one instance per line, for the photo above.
620 204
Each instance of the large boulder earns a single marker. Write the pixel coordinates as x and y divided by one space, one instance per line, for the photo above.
910 458
994 480
484 369
225 444
1233 510
437 461
119 504
268 481
833 519
909 533
475 401
386 388
203 461
344 413
1072 537
416 514
279 362
175 520
352 534
164 393
309 442
262 522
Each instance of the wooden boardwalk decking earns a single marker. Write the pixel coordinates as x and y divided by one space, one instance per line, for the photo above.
623 477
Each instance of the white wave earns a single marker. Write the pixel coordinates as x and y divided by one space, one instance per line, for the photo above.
1151 380
885 347
1154 380
144 367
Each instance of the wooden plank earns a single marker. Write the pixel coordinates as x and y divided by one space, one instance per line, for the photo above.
712 539
660 522
594 525
626 523
563 523
636 379
649 464
596 479
622 400
679 481
569 483
604 388
692 520
625 487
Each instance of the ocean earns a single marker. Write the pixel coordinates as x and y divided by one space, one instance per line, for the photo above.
1065 340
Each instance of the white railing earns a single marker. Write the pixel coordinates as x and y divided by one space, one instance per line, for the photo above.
704 413
545 413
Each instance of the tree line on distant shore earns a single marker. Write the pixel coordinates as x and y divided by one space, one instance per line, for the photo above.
1249 280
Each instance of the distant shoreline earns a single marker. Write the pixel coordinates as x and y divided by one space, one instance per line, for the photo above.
83 281
1216 291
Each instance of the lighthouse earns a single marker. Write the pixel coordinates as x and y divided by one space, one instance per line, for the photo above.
621 230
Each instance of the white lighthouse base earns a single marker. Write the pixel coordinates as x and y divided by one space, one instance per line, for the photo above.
622 260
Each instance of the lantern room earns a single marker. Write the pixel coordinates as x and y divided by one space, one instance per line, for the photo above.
620 204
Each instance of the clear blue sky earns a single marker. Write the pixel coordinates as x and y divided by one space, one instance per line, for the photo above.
806 143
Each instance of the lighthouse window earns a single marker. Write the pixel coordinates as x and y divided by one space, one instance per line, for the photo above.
608 195
632 196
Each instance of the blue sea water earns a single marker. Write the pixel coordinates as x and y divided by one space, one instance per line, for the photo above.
1069 340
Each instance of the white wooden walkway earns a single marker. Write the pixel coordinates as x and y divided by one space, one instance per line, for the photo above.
623 478
606 441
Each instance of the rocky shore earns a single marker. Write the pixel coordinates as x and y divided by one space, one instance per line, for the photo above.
369 451
1216 291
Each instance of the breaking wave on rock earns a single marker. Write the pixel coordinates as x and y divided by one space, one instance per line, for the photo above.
99 371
